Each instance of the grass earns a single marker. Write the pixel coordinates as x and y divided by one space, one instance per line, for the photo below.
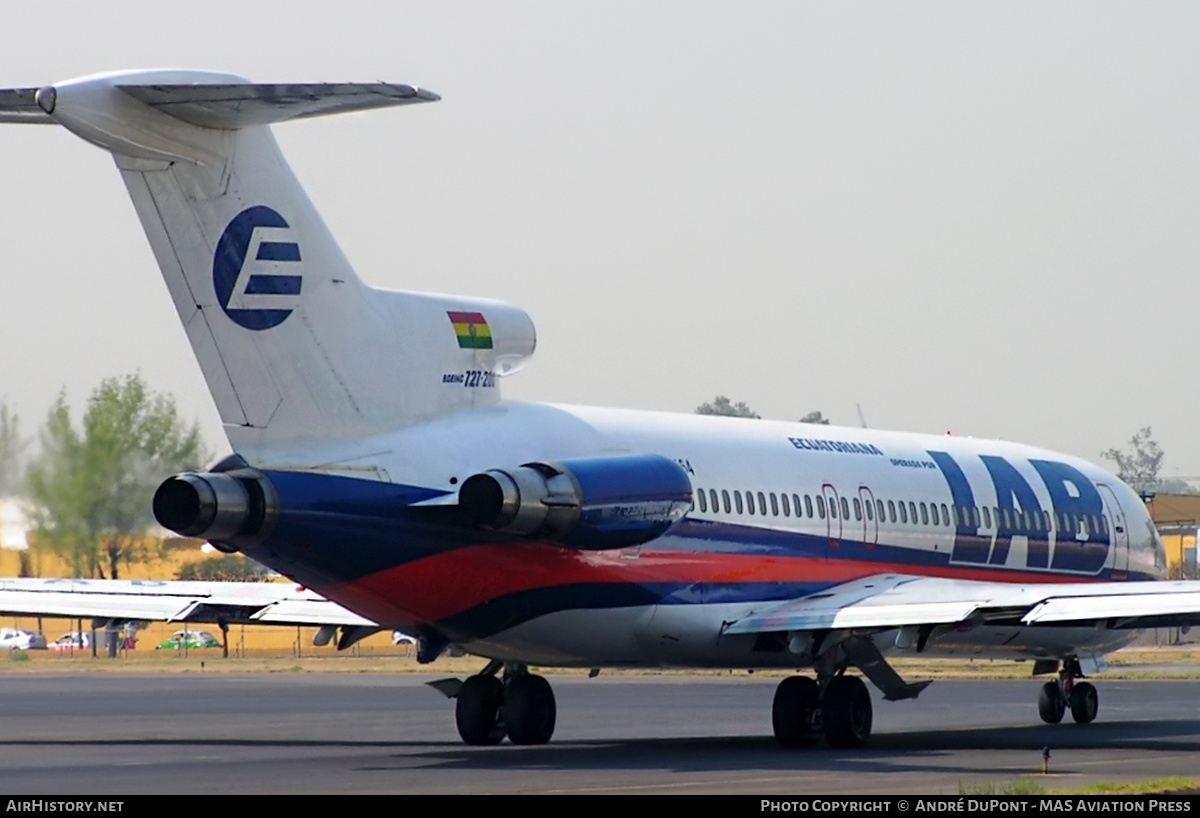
1015 788
1160 786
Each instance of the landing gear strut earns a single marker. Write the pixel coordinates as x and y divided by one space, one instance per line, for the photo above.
835 705
520 706
1080 697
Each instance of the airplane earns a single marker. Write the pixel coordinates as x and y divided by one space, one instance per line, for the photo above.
377 464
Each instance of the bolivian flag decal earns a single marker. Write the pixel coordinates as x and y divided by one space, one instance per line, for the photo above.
472 330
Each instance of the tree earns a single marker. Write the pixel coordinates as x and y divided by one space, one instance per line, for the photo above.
229 568
92 488
815 417
1183 570
1139 465
721 406
11 447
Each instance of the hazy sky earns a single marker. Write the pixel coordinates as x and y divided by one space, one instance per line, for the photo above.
977 217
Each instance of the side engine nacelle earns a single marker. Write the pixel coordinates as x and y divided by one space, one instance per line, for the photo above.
232 509
593 503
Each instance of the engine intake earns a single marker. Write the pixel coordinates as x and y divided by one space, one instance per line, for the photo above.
594 503
236 508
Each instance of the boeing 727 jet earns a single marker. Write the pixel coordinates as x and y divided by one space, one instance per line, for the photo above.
377 464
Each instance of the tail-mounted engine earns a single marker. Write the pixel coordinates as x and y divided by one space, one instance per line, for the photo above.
593 503
235 509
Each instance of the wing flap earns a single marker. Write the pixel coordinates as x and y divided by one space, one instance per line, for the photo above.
310 612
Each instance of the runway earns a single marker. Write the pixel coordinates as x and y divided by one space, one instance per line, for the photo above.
369 733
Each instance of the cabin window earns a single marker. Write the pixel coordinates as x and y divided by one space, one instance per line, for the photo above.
880 511
749 503
845 509
712 498
701 498
892 511
737 501
903 513
725 498
987 517
1007 519
775 505
945 515
857 509
933 512
912 511
762 504
924 515
870 510
832 509
808 509
820 505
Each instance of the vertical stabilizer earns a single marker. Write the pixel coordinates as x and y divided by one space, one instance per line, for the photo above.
295 348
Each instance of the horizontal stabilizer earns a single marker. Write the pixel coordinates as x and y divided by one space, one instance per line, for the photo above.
19 105
240 105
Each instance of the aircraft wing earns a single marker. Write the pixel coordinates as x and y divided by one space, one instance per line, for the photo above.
898 600
265 603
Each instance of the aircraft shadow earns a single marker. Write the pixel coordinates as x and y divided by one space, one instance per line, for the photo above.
909 751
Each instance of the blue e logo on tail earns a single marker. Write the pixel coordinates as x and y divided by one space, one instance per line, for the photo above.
256 269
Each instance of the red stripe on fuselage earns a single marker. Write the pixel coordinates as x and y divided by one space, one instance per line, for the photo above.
440 586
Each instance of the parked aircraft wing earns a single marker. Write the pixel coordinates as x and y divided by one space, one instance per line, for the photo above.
898 600
273 603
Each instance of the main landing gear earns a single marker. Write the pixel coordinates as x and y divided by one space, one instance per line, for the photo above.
521 706
802 713
834 705
1058 696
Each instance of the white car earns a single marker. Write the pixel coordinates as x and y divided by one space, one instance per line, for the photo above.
16 639
72 641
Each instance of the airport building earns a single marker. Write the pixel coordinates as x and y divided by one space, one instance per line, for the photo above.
1177 517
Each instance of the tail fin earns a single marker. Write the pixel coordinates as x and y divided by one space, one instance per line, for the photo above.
296 350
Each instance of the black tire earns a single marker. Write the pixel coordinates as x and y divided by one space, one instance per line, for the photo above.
846 712
797 701
477 710
1085 702
1051 704
529 711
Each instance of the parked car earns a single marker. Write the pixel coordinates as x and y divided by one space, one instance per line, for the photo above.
74 640
16 639
189 640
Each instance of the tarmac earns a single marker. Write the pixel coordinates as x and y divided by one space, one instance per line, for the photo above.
313 732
